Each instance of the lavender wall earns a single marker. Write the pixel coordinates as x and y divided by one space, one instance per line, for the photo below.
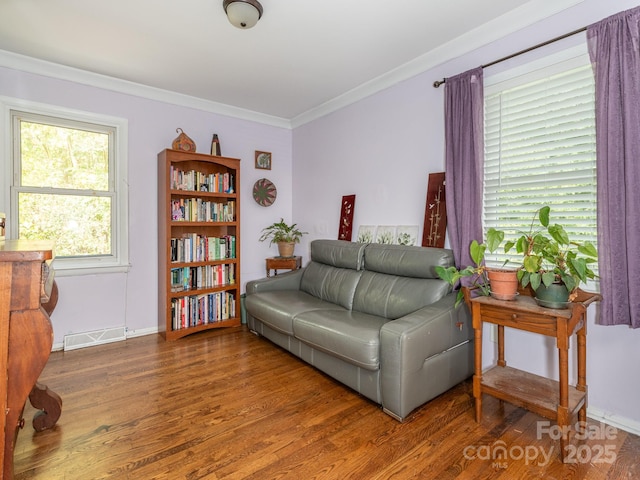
96 302
382 149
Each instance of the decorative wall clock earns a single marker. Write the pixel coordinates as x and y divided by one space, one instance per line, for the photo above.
264 192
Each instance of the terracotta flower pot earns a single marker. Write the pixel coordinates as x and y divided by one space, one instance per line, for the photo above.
285 249
503 283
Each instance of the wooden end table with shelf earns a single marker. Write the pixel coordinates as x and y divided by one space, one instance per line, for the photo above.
283 263
555 400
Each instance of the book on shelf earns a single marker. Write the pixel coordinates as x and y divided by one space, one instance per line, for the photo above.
193 181
202 309
204 276
200 248
199 210
177 210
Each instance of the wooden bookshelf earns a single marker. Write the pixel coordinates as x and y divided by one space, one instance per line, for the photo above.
198 242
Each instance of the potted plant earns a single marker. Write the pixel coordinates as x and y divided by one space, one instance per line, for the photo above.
285 236
553 265
500 283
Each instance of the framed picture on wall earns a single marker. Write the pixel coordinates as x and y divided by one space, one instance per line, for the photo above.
366 233
406 235
385 234
263 160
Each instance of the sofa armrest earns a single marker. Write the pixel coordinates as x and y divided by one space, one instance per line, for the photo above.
407 378
284 281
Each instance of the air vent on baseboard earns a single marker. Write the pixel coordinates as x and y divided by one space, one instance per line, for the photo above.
90 339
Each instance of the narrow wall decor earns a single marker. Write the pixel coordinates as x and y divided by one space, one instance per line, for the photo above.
346 217
435 214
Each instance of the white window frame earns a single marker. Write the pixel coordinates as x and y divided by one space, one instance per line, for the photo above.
529 72
118 261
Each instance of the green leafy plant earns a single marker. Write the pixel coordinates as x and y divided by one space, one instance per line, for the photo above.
550 256
478 271
281 232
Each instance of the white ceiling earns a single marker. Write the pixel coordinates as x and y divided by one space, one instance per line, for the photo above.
302 58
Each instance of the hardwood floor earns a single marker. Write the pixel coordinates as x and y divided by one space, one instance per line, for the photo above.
229 405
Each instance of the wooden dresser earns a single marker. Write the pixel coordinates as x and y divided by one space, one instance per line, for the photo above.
26 335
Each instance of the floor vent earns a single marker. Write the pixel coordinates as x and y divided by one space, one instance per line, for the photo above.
90 339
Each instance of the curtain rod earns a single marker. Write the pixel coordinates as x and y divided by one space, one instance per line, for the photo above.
437 83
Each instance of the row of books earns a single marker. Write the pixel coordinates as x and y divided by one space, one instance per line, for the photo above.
199 248
198 210
205 276
198 181
203 309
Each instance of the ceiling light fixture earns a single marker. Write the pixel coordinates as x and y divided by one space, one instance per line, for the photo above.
243 13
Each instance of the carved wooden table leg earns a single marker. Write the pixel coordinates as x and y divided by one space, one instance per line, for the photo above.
47 401
50 405
30 339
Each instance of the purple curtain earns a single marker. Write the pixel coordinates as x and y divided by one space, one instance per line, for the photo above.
464 160
615 55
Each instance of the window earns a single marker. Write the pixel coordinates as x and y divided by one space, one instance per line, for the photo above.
68 171
540 149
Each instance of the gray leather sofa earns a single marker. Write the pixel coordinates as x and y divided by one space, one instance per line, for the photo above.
374 317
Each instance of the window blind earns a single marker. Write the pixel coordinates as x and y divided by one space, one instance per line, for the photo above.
540 149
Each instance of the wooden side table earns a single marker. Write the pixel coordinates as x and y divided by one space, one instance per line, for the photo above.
283 263
555 400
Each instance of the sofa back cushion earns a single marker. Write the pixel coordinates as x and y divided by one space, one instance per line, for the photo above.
400 279
392 297
406 261
334 271
338 253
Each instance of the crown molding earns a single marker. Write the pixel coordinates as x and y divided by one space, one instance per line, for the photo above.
62 72
500 27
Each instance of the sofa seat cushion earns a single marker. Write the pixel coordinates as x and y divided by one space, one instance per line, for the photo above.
351 336
278 308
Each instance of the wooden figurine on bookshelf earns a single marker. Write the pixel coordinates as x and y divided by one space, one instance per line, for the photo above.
183 142
215 145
